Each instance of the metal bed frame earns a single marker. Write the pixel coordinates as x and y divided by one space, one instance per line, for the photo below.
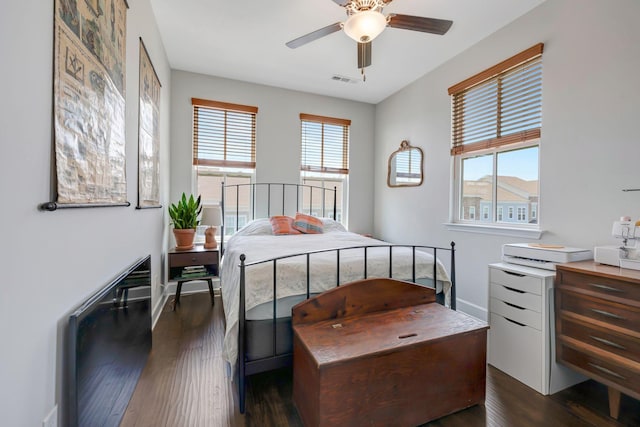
275 361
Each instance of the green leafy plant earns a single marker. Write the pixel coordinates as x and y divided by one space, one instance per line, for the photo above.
184 214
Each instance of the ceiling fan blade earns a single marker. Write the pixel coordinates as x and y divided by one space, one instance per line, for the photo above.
342 2
364 54
418 23
315 35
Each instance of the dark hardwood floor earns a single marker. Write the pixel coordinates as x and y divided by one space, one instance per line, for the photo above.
185 384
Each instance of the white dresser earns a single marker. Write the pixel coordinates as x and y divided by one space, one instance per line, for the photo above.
522 332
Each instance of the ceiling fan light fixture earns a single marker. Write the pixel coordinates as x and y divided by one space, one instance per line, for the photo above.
365 26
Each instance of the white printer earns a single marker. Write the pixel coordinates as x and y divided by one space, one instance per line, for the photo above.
541 255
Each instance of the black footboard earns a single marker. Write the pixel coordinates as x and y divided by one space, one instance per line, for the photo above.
273 348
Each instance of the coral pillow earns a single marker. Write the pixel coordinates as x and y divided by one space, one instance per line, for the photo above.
282 225
307 224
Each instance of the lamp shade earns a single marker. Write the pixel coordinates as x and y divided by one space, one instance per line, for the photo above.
365 26
211 215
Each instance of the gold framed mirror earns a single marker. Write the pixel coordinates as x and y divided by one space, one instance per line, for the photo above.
405 166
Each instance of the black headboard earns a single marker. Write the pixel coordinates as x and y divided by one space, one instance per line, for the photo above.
272 198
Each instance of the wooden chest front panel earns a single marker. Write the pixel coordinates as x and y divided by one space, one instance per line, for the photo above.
392 384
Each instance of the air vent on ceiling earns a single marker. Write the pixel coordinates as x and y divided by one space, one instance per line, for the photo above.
344 79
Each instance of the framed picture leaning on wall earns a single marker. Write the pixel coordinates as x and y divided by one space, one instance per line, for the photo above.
148 133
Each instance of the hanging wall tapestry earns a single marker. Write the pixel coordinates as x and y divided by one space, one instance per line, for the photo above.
89 101
148 133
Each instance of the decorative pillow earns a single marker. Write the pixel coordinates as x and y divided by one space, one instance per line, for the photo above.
282 225
308 224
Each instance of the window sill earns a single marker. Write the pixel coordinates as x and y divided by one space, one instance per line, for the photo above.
527 233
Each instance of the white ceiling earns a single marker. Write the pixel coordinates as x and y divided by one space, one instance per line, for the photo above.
245 40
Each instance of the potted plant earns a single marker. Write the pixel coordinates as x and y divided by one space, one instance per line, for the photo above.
184 218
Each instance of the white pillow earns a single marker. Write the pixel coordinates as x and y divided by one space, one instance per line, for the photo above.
331 226
257 227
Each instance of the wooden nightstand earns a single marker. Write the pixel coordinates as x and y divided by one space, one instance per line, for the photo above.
193 264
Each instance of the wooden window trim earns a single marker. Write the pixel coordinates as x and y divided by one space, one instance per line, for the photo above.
503 66
224 105
324 119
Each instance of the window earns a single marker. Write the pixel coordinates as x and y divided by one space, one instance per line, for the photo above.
325 163
472 212
224 150
496 128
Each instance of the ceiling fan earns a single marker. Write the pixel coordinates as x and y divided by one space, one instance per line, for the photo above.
365 22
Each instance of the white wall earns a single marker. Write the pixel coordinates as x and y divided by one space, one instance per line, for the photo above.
51 261
277 135
589 149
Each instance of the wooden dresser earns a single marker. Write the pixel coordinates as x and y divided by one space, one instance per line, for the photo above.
598 325
381 352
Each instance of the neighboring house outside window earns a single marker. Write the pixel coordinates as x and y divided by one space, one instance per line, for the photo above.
224 151
496 128
325 163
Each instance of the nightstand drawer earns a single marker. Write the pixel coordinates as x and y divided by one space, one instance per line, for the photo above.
612 313
193 258
517 297
601 337
516 313
517 281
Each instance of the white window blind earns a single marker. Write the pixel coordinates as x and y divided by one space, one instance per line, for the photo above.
224 134
325 144
501 105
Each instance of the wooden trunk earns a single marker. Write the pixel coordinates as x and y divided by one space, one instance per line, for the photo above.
382 352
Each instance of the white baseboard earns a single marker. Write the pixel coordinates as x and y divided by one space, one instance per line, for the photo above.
472 309
157 309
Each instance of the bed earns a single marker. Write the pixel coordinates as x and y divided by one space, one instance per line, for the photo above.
264 275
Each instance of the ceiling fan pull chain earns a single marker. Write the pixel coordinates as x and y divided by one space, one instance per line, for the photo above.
364 77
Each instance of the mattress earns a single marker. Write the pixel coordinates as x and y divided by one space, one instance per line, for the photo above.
257 243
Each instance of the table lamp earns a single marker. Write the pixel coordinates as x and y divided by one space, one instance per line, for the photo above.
211 216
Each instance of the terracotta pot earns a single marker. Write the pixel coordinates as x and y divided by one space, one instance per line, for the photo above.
184 238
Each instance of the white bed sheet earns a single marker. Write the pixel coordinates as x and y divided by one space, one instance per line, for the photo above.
256 242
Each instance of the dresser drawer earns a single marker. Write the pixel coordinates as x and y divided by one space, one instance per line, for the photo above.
517 297
515 313
601 337
612 313
517 281
601 286
193 258
516 350
602 370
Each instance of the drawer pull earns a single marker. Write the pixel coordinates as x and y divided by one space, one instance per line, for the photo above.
513 321
514 306
605 287
609 343
513 274
413 334
607 314
607 371
513 289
